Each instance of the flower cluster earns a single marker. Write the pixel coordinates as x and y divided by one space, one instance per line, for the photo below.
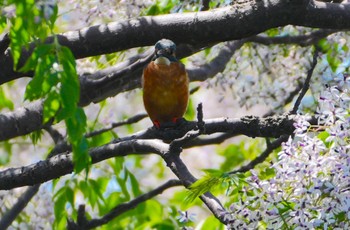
311 186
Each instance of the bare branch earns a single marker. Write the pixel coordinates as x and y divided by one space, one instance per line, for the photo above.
4 42
21 121
205 5
111 81
18 207
306 83
62 164
302 40
83 223
223 24
123 77
181 171
25 198
217 139
177 144
217 64
286 101
130 120
261 158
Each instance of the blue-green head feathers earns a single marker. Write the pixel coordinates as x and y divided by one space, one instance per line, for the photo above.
165 48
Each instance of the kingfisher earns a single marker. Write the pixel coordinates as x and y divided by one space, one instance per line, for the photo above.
165 86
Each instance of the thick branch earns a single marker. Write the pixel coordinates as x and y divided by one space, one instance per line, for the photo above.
60 165
238 21
21 121
126 76
180 170
216 65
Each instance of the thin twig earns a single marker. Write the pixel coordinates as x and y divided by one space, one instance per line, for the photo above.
286 101
205 5
128 121
272 146
306 83
83 223
4 42
302 40
26 197
177 144
277 143
17 208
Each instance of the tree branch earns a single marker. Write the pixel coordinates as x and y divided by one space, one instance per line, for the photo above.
111 81
18 207
83 223
104 83
302 40
22 121
177 166
62 164
237 21
113 125
4 42
306 83
25 198
217 64
262 157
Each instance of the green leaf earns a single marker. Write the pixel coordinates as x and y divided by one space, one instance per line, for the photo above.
69 195
123 185
117 165
27 25
153 10
324 45
333 60
191 111
36 136
76 125
134 185
60 200
272 32
100 139
211 223
51 106
234 154
41 61
4 101
205 184
267 173
3 20
81 158
323 136
7 150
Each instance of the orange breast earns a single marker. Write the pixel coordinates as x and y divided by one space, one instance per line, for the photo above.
165 91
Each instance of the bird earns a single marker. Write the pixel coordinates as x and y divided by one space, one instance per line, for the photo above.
165 85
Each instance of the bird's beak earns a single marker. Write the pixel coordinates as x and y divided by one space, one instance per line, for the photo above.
162 52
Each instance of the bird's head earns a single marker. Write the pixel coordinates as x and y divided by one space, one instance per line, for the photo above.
164 52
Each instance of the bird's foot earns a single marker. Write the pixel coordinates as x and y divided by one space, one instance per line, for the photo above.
176 122
156 124
179 121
